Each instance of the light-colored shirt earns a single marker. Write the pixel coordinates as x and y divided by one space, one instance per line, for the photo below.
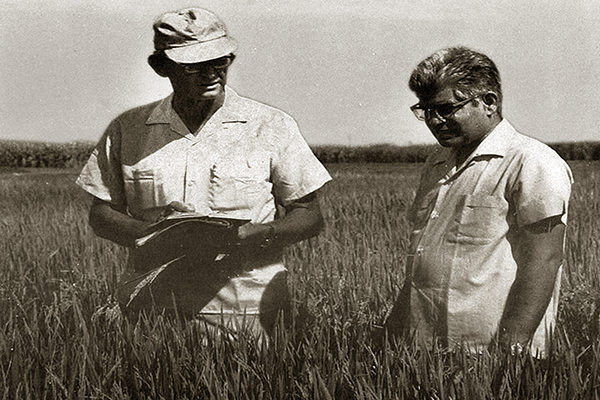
461 247
244 160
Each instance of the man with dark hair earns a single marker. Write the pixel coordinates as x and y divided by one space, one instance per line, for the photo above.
488 220
208 152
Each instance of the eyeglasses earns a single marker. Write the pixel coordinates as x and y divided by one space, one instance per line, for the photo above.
218 63
443 112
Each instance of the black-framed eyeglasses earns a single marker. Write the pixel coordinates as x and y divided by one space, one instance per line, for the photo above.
443 112
202 67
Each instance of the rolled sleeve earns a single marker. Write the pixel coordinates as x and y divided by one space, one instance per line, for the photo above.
544 188
296 170
102 176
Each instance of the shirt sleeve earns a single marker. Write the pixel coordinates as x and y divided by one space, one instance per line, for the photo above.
296 171
102 175
543 187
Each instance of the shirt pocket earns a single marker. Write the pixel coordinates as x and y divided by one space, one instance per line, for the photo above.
240 184
143 188
478 220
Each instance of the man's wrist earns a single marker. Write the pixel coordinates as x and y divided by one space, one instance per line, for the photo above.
269 237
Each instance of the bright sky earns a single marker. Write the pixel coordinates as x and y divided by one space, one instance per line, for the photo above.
340 67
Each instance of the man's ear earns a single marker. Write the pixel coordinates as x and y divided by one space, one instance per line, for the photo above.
159 64
490 102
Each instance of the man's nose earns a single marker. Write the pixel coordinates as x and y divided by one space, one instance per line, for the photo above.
208 70
207 73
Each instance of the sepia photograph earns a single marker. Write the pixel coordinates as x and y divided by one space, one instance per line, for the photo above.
274 199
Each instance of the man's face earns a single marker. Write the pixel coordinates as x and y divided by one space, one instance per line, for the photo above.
467 126
201 81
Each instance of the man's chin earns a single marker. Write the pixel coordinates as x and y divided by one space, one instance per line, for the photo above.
450 142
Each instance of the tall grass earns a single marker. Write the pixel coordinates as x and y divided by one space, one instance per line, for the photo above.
55 274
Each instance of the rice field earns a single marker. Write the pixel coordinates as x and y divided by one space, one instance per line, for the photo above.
55 274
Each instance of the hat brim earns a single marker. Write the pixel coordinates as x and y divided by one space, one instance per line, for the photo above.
200 52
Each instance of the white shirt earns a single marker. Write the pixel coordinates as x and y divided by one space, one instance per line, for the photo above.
462 251
246 159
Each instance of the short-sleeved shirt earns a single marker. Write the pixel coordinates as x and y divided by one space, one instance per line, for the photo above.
247 159
462 244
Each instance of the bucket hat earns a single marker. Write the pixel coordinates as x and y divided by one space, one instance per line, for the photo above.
192 35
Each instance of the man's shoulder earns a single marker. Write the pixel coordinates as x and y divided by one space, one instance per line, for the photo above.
138 113
505 141
527 147
254 108
530 157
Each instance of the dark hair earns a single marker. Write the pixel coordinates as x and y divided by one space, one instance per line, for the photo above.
467 72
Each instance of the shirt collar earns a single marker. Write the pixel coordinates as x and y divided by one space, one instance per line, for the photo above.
233 109
495 144
164 113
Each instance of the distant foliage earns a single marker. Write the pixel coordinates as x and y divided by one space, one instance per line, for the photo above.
582 151
383 153
380 153
21 154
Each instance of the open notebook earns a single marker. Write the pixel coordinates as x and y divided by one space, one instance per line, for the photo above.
183 263
176 224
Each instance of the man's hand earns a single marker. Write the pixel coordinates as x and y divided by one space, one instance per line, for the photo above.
110 222
156 214
256 234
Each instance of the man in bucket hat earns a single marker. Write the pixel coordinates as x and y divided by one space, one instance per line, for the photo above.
239 167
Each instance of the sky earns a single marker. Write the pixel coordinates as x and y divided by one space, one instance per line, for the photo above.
339 67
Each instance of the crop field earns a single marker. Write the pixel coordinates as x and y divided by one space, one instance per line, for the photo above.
55 275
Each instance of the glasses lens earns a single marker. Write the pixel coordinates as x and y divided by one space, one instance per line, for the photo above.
444 110
419 113
218 63
221 62
441 111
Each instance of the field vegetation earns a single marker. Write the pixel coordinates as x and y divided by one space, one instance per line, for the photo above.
55 276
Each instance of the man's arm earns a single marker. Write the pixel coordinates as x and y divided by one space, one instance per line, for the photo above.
111 222
539 259
303 219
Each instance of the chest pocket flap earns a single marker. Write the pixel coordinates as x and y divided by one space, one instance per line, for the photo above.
479 219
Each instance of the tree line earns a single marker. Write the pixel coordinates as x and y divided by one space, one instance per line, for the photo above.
22 154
